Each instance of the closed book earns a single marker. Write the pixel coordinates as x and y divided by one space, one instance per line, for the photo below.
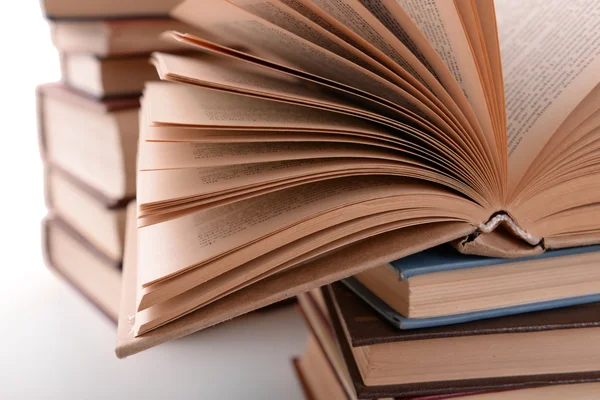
104 77
94 140
99 220
322 362
120 37
503 353
441 286
87 269
75 9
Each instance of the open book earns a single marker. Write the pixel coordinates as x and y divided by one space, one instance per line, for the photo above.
310 140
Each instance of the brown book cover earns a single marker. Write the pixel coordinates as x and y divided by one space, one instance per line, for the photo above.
312 303
68 95
107 107
83 10
364 327
56 222
305 388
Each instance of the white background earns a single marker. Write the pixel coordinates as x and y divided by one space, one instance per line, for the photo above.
53 345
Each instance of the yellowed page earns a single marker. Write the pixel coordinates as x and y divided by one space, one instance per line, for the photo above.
175 104
487 20
567 134
211 233
287 18
281 257
376 35
395 18
399 30
171 155
471 23
320 271
412 41
235 25
551 58
186 105
235 75
469 160
165 185
440 21
412 73
273 262
249 79
245 78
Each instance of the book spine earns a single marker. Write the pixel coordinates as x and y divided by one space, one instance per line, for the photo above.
511 225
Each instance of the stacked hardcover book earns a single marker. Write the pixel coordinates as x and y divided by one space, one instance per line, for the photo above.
88 135
447 324
304 142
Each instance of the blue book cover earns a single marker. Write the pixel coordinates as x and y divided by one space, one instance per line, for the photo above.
446 258
401 322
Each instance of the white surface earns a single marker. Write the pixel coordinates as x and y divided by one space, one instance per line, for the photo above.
53 345
63 349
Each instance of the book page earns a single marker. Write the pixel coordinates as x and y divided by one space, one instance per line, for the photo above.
287 18
172 184
551 58
171 155
246 78
395 18
377 36
235 25
200 237
195 71
196 106
236 75
433 96
197 288
438 97
281 257
352 14
440 21
568 134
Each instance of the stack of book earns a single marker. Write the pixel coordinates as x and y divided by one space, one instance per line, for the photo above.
88 127
457 326
310 141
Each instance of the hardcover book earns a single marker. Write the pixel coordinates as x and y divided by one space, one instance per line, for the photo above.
503 353
103 77
327 359
94 140
101 221
317 139
91 272
321 368
441 286
76 9
113 37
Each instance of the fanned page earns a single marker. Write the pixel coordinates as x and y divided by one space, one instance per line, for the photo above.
551 60
300 132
